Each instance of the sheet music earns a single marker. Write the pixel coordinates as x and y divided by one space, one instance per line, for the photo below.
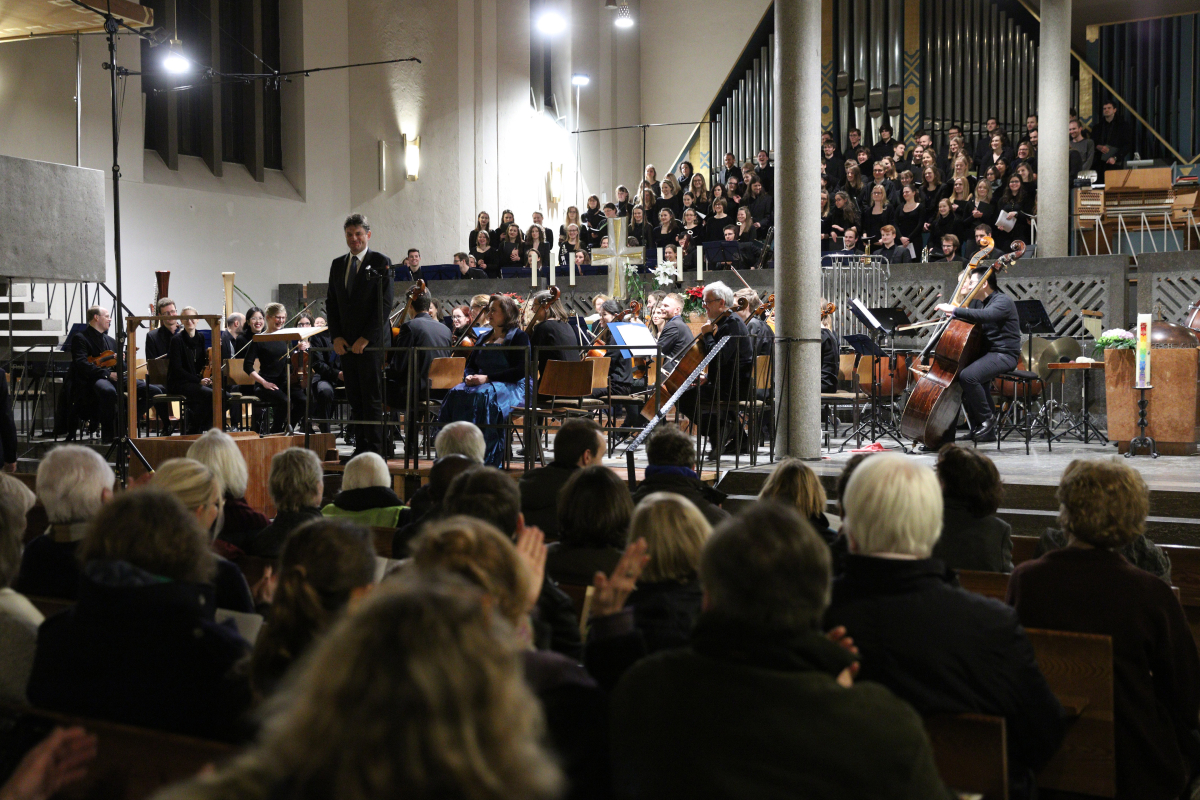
866 313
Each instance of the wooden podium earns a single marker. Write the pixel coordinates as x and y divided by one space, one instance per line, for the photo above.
1174 407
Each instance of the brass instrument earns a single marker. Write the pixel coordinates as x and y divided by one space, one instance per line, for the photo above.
161 280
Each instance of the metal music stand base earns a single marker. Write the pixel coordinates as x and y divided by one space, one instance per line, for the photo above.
1142 440
872 419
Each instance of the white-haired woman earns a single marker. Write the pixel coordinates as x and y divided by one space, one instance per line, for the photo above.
219 452
366 496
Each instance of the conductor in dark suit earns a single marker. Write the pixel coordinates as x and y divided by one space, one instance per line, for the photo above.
360 299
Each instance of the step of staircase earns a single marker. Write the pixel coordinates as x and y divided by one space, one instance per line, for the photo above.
21 306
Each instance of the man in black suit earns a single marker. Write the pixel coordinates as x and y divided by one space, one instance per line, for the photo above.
547 234
360 299
983 147
158 341
94 388
731 170
764 171
233 328
883 147
675 335
421 330
1113 140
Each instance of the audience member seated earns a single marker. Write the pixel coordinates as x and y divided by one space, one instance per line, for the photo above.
200 492
458 438
760 704
794 484
239 520
578 443
19 619
296 484
511 578
420 693
366 496
938 647
668 598
488 494
1139 551
973 537
594 509
326 566
1088 587
72 483
441 475
140 646
671 454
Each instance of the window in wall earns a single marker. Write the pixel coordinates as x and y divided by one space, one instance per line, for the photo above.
218 121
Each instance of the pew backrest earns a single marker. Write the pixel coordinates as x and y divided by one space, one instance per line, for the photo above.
1079 669
971 751
988 584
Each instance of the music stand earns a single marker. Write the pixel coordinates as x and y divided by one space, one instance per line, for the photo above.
295 335
721 253
866 346
1032 318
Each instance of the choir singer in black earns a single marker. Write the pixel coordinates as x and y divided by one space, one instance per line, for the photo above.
360 299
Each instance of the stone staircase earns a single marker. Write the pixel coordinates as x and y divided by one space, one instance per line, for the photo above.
29 323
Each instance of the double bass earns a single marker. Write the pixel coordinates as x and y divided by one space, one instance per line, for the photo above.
932 408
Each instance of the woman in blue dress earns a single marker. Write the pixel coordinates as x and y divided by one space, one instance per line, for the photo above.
495 380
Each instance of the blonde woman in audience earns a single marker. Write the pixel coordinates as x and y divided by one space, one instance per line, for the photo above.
419 694
218 451
1089 587
668 596
297 484
571 218
194 485
19 619
366 496
794 483
326 566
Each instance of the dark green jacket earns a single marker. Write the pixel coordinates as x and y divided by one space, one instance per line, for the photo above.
759 714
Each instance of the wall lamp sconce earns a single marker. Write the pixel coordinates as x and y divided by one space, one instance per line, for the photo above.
410 159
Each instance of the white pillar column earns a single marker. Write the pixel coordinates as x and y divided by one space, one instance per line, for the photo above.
797 136
1054 103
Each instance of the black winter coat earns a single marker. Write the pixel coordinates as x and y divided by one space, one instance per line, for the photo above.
539 496
971 542
703 496
945 650
665 612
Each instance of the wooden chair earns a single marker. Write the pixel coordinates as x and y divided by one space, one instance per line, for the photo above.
988 584
1024 548
564 390
971 751
241 404
581 599
444 374
131 763
754 408
1079 669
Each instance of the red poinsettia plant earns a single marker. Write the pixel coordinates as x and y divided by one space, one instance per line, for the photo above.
693 301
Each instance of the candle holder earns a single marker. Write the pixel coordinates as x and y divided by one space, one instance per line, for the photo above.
1142 440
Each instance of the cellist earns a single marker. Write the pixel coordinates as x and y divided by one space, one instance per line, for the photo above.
996 316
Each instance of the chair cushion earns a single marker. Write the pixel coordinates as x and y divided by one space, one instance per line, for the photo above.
1020 375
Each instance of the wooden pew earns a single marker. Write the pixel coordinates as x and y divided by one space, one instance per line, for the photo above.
988 584
1079 669
971 752
1185 573
132 763
382 538
1024 548
581 599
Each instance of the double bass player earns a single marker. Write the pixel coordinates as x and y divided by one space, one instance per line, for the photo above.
996 316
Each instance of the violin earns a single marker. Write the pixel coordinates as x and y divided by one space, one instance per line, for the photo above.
539 304
932 408
106 360
465 339
766 307
401 314
634 309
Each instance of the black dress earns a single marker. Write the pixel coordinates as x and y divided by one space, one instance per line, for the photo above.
873 222
188 356
714 227
910 225
489 261
663 239
830 361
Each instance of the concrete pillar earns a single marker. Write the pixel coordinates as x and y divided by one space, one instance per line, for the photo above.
1054 104
797 135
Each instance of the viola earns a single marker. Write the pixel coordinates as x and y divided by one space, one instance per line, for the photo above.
539 304
106 360
766 307
932 408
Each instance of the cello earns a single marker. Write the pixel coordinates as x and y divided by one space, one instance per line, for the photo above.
537 305
687 363
932 408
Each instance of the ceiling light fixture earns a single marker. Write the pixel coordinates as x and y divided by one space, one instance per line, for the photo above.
551 23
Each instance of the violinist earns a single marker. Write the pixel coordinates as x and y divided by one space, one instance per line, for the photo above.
324 375
620 370
996 315
830 357
94 387
550 331
271 377
460 319
419 330
188 355
764 337
730 374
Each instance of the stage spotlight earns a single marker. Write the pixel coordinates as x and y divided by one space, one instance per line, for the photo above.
624 17
175 62
551 23
580 79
